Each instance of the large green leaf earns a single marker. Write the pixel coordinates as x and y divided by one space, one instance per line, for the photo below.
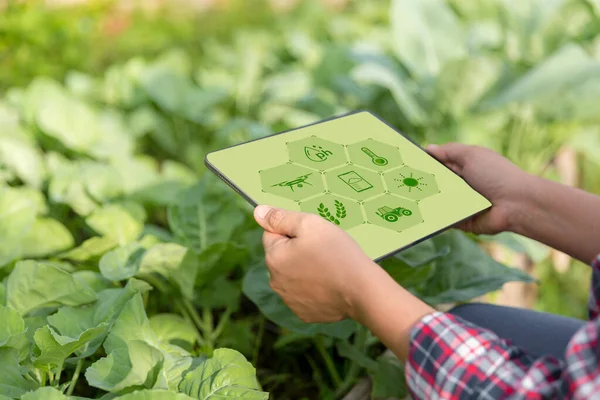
136 365
466 272
203 216
154 394
33 285
47 236
426 35
12 382
226 374
23 158
122 262
388 378
12 331
174 262
554 77
115 222
72 322
256 288
171 328
16 220
136 356
55 348
91 248
46 393
397 83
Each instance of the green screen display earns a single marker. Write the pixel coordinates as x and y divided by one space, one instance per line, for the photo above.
356 172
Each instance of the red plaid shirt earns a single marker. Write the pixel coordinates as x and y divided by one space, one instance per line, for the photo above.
451 358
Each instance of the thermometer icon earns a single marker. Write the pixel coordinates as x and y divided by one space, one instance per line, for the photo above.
377 160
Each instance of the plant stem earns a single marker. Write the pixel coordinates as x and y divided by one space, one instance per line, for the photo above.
333 373
188 317
207 317
43 379
75 377
223 320
360 344
57 377
259 337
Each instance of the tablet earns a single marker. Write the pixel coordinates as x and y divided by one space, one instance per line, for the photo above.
356 172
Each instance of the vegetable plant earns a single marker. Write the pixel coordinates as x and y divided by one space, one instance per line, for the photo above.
130 272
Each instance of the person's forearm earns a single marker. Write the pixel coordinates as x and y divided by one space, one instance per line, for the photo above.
389 311
562 217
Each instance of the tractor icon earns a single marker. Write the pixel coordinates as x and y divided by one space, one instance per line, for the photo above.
392 214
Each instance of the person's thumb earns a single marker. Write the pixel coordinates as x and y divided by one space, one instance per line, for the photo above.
278 221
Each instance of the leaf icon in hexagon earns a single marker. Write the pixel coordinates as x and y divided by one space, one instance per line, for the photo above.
393 212
317 153
345 213
411 183
375 155
291 181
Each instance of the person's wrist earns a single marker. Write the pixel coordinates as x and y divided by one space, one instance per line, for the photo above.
523 206
358 286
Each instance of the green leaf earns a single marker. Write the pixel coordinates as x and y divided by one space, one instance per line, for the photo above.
226 374
397 83
136 357
388 378
346 350
56 348
174 262
466 272
422 253
16 220
256 287
72 322
555 76
47 236
203 216
33 285
46 393
12 382
12 331
171 328
154 394
136 365
115 222
91 248
24 159
426 35
122 262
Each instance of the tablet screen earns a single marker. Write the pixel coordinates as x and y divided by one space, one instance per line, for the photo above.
356 172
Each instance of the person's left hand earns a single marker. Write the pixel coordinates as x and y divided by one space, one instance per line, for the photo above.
315 267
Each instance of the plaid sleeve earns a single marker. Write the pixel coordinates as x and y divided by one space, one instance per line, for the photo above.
594 299
450 359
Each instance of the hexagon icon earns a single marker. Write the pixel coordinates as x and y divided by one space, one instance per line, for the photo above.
393 212
343 212
317 153
292 181
375 155
411 183
354 182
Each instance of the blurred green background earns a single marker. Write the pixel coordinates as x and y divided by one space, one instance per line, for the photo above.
521 77
172 80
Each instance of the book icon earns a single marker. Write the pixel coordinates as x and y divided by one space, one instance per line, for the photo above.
355 181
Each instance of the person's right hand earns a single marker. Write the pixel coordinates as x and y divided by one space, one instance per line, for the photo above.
495 177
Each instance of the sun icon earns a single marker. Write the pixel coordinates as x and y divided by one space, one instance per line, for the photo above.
410 182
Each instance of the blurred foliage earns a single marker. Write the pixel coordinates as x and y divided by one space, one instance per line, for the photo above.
106 116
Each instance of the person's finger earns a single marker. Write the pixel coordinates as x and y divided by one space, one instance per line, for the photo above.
449 153
279 221
271 239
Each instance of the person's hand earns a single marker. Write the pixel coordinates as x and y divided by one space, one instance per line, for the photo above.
315 267
322 274
492 175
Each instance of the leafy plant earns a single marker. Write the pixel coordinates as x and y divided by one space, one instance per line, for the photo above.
127 268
